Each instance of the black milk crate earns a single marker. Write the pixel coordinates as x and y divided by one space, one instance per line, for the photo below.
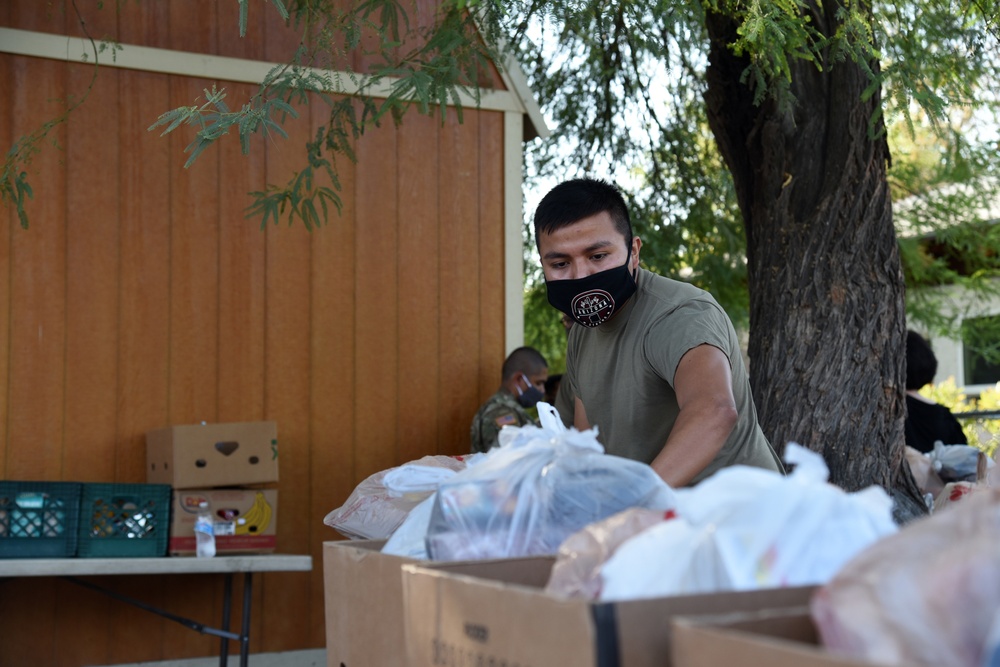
39 519
124 520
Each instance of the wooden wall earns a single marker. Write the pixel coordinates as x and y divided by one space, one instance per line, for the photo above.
141 297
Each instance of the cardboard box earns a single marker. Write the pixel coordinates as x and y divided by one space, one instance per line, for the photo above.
767 638
497 612
246 520
202 456
364 605
364 602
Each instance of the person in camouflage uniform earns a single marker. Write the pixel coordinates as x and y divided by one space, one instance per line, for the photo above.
522 385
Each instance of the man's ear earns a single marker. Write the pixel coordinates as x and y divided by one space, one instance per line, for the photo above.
636 245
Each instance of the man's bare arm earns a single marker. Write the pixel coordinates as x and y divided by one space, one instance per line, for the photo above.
580 416
707 414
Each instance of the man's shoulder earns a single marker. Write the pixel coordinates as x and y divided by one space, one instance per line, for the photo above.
502 409
498 405
658 295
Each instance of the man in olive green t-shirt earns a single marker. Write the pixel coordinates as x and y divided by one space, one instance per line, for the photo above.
655 364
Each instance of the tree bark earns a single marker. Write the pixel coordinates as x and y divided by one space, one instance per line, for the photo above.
827 311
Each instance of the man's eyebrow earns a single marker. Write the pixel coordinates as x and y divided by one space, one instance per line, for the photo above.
593 247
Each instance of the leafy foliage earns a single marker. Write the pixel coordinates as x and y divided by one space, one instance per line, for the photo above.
14 186
982 432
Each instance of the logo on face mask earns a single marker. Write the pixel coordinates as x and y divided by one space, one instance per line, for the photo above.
594 299
592 308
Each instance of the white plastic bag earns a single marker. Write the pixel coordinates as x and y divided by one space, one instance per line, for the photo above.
410 539
958 463
745 528
539 486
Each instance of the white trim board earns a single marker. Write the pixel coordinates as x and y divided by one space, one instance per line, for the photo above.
222 68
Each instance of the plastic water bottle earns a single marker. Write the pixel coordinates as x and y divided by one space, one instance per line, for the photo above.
204 532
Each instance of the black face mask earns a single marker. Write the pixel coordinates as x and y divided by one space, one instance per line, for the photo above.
528 398
592 300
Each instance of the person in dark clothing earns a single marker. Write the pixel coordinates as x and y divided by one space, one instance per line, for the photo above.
926 421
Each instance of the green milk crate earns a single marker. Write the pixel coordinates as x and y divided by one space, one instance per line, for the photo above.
39 519
124 520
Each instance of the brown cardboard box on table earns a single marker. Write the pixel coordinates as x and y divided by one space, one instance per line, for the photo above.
246 520
497 612
765 638
202 456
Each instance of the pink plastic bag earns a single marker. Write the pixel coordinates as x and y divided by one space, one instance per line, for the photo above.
927 595
374 511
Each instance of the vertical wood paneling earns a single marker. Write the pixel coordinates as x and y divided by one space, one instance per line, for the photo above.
287 595
144 332
194 327
148 24
8 225
92 197
144 320
242 247
38 290
92 244
419 301
37 336
491 250
376 325
459 280
332 400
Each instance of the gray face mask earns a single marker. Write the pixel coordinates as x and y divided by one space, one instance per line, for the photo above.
529 397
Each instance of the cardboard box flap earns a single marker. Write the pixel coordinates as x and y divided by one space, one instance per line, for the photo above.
489 621
499 611
765 638
529 571
638 620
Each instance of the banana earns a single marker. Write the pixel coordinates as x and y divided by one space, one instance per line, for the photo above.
257 518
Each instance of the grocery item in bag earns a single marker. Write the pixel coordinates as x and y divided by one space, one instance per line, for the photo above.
745 528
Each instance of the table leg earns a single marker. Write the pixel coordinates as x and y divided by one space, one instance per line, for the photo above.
245 632
227 599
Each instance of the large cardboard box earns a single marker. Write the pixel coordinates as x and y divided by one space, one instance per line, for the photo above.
364 605
364 602
497 612
246 520
201 456
765 638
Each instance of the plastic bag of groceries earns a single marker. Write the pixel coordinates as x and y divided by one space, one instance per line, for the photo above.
929 595
534 490
958 463
745 528
380 504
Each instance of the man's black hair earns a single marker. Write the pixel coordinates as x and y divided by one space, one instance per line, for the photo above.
574 200
921 364
525 360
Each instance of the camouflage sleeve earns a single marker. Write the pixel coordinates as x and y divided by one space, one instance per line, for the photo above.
487 427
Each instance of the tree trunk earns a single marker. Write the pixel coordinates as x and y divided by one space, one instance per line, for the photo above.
827 311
